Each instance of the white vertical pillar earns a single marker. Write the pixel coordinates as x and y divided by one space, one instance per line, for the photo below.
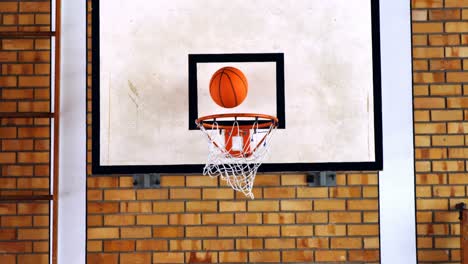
396 185
72 167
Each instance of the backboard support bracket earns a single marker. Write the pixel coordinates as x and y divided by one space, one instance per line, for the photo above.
321 178
147 181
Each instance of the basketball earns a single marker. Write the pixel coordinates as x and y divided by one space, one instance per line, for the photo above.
228 87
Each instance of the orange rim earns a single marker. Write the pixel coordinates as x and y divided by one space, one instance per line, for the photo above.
267 120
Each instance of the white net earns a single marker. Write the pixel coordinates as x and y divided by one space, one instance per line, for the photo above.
237 151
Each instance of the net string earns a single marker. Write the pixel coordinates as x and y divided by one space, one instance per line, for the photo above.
238 170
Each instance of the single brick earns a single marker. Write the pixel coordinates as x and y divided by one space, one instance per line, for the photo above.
315 192
218 244
428 27
330 255
298 256
8 234
119 220
457 76
185 244
264 206
291 205
297 230
103 182
166 232
33 208
456 27
97 258
201 257
431 178
267 180
151 220
312 217
202 206
34 7
8 7
34 81
346 192
140 258
218 193
428 52
446 89
263 231
431 153
446 140
17 44
279 192
264 256
346 242
103 233
168 207
429 77
427 3
218 219
201 181
172 181
330 230
448 166
433 255
249 218
372 242
420 40
151 245
278 218
280 243
17 69
363 230
447 242
364 255
154 194
422 115
119 245
316 242
118 195
33 258
236 257
168 257
192 193
249 243
437 65
430 128
329 205
345 217
429 103
293 179
135 232
422 192
185 219
237 206
202 231
232 231
102 207
450 14
432 204
7 208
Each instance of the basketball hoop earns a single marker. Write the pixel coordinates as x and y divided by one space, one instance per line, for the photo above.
238 144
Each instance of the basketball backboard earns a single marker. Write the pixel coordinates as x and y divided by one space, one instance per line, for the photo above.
313 64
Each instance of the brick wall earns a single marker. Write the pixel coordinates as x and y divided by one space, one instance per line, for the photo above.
24 142
440 64
196 219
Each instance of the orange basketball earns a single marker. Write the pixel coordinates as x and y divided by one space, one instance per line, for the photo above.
228 87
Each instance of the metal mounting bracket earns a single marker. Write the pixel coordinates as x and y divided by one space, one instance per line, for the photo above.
147 181
460 207
321 178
